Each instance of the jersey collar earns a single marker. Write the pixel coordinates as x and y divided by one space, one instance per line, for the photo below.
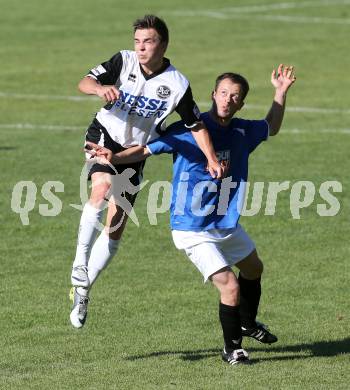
166 64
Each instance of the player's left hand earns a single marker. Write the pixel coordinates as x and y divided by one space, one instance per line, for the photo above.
283 78
99 153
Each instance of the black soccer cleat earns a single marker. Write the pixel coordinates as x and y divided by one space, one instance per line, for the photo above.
259 333
237 356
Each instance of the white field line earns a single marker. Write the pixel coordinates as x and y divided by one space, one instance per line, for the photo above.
32 126
23 96
247 12
285 5
326 131
316 110
300 19
206 105
275 18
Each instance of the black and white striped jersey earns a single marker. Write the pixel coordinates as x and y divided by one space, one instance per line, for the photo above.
138 116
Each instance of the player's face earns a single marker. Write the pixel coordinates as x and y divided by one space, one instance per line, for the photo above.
149 48
227 99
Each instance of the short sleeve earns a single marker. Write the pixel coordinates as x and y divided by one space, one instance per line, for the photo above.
165 144
188 109
108 72
169 142
257 131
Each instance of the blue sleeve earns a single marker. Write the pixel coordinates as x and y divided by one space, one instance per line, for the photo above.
257 131
167 143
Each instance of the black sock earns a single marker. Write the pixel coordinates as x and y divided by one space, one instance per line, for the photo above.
231 326
250 291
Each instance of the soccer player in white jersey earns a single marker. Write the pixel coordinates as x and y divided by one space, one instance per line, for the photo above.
205 211
140 88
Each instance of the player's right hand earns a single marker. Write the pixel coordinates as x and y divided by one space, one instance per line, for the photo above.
216 170
109 93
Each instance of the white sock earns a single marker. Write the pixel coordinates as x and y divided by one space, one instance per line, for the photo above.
87 233
84 292
101 254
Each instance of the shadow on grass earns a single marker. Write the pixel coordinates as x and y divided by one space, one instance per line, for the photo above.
184 355
4 148
297 351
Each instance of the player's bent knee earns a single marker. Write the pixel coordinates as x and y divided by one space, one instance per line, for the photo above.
226 282
251 267
258 268
255 271
222 276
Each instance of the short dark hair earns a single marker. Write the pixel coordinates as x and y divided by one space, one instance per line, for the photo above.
235 78
152 21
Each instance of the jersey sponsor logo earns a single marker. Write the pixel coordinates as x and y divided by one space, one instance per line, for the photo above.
224 157
141 105
132 77
163 92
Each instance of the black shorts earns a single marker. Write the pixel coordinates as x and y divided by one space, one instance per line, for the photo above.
98 134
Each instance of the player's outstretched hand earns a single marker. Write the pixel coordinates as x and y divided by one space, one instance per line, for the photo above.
99 153
283 78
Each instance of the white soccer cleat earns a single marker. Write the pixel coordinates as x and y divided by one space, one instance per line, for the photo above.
238 356
79 311
79 277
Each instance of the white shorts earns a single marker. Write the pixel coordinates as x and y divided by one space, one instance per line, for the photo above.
215 249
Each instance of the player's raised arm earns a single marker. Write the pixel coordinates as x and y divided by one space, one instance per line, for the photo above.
281 80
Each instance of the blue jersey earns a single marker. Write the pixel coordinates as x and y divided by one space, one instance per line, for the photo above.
200 202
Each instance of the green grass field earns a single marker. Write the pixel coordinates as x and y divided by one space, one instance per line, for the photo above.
152 323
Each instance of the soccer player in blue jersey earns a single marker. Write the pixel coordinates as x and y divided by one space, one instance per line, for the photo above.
205 211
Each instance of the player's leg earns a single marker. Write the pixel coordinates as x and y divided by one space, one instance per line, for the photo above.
88 227
102 177
209 260
103 250
124 189
241 252
249 279
251 268
93 210
106 245
226 282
